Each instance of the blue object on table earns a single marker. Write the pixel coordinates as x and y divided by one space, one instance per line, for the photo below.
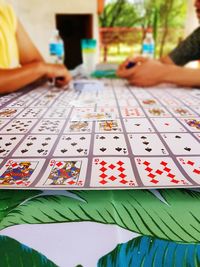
130 65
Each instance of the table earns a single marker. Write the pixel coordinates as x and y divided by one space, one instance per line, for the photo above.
89 228
106 135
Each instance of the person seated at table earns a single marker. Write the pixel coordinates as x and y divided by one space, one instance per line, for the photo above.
169 69
20 61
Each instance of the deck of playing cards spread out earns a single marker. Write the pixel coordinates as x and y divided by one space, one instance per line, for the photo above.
113 137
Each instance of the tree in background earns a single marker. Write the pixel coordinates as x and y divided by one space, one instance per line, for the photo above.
167 18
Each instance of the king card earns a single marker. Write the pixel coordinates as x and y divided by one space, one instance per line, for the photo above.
160 172
108 126
64 173
112 172
193 124
78 127
94 116
157 111
20 172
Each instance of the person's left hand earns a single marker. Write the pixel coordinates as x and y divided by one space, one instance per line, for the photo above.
148 73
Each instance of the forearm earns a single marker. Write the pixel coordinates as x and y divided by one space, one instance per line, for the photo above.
14 79
182 76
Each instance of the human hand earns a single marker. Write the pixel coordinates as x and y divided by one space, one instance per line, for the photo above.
59 73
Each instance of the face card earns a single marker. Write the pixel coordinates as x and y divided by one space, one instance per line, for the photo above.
32 113
191 165
19 126
193 124
57 113
35 146
160 172
65 173
182 144
79 111
8 143
182 112
138 125
94 116
167 125
78 127
109 110
9 112
157 112
110 144
20 172
49 126
73 145
112 172
146 144
108 126
148 102
132 112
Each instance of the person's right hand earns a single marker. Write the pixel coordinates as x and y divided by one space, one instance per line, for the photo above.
59 72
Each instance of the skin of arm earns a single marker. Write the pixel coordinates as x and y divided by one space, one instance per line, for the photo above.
32 66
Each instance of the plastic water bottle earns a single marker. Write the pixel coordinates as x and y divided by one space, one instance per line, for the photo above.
56 48
148 45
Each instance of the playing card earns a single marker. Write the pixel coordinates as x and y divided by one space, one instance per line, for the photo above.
193 124
20 103
128 112
8 143
146 144
19 126
73 145
167 125
32 113
94 116
149 102
9 112
35 146
196 109
182 111
64 173
191 166
49 126
3 122
78 127
182 144
109 110
197 136
157 111
110 144
138 125
20 172
57 113
112 172
108 126
159 172
127 102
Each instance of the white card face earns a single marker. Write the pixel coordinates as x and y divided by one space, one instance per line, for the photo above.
132 112
113 126
110 144
20 103
191 166
182 144
19 126
112 172
20 172
196 109
8 143
149 102
94 116
109 110
79 111
157 112
73 145
78 127
182 112
64 173
159 172
9 112
32 113
197 135
36 146
3 122
49 126
138 125
168 125
57 113
146 144
193 124
127 102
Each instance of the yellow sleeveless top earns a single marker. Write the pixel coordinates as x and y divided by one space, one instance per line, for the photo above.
9 55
